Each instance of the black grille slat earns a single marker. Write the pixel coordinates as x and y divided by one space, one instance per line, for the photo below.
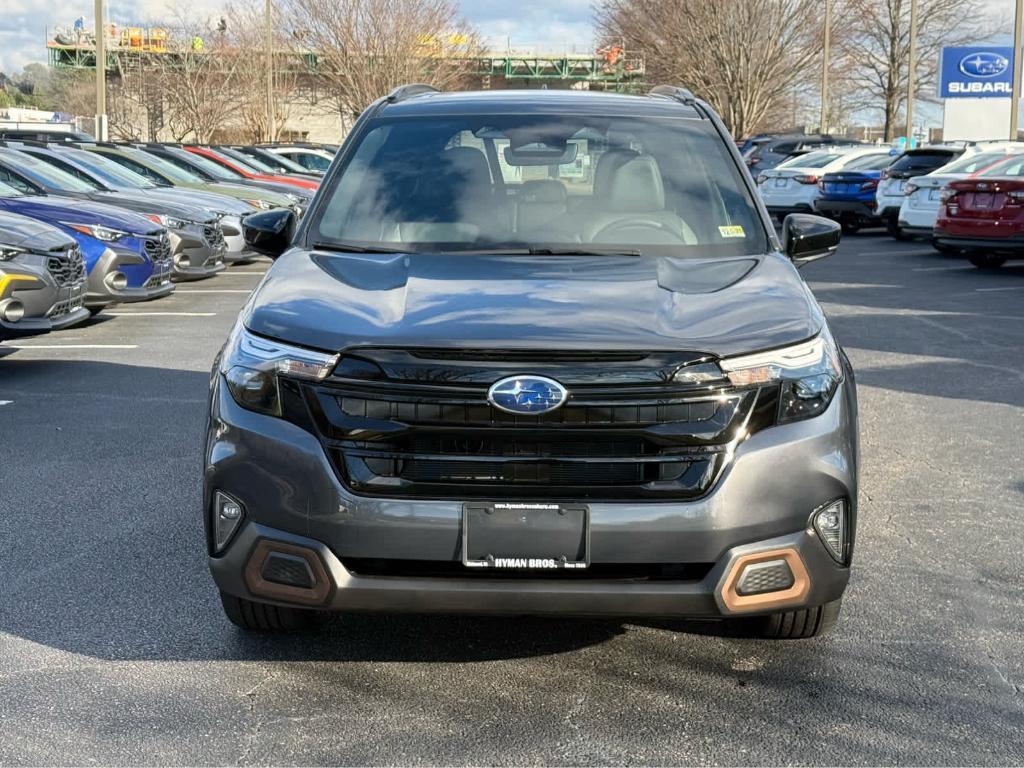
629 433
67 269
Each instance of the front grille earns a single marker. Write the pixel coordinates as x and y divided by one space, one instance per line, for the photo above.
159 250
213 236
71 303
68 268
640 435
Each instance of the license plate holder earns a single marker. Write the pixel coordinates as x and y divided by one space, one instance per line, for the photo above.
781 181
525 536
934 193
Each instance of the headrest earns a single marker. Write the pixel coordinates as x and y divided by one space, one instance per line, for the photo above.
636 186
608 163
542 191
469 162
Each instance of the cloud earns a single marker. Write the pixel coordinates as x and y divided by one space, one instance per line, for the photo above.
25 24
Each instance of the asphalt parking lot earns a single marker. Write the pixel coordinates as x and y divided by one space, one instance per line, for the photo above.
114 650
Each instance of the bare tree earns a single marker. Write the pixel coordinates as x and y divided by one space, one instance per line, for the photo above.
743 56
244 30
364 48
877 46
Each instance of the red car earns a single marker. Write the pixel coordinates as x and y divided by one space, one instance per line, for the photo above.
983 216
248 171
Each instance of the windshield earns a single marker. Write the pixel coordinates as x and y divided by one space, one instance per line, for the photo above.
163 167
972 163
872 162
115 174
311 161
581 182
1014 166
245 162
183 158
811 160
918 160
6 190
277 162
45 175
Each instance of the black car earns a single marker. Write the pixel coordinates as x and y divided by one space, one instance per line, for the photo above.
534 352
765 155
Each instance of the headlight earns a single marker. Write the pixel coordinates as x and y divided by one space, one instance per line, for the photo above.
106 234
251 365
168 221
8 252
808 372
263 205
293 197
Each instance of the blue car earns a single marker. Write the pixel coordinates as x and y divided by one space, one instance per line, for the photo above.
848 196
128 257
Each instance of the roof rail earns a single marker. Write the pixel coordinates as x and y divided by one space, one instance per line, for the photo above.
403 92
675 92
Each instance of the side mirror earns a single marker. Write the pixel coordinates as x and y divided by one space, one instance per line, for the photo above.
269 232
807 238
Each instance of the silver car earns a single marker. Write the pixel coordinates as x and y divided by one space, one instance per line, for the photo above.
43 277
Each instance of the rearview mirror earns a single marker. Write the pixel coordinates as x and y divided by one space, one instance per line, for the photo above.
807 238
269 232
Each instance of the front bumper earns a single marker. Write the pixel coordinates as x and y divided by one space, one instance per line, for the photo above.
100 294
291 495
235 248
193 257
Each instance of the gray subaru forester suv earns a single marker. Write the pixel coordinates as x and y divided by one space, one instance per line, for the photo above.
535 352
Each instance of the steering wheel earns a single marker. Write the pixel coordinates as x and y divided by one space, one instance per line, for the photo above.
641 231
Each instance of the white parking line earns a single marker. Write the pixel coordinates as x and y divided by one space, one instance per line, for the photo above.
942 269
6 402
1007 288
212 290
73 346
161 314
232 273
896 252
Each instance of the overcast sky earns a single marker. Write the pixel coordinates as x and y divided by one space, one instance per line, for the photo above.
24 24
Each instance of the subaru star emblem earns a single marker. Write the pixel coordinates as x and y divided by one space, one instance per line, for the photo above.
527 395
983 64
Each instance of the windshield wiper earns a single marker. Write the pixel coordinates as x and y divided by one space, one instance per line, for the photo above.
355 248
548 251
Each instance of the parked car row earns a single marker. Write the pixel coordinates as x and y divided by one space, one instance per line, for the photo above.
86 225
963 198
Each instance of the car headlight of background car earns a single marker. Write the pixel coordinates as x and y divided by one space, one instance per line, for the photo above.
808 372
168 221
263 205
251 365
106 234
8 252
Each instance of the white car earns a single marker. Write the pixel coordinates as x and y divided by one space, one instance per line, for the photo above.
922 195
909 165
313 159
792 186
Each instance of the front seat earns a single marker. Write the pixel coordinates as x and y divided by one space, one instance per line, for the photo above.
633 209
538 204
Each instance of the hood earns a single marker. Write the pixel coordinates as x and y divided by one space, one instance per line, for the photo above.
145 204
722 307
250 191
23 232
53 209
213 201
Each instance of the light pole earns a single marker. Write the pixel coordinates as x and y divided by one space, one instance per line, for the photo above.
101 75
910 74
823 123
271 121
1015 98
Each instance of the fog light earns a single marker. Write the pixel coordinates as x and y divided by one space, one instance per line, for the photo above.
116 281
11 311
183 261
227 515
830 525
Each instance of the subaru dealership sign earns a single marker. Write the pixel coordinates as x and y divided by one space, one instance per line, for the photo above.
976 72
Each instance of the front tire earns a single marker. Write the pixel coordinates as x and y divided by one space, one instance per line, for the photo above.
265 617
850 226
793 625
987 260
